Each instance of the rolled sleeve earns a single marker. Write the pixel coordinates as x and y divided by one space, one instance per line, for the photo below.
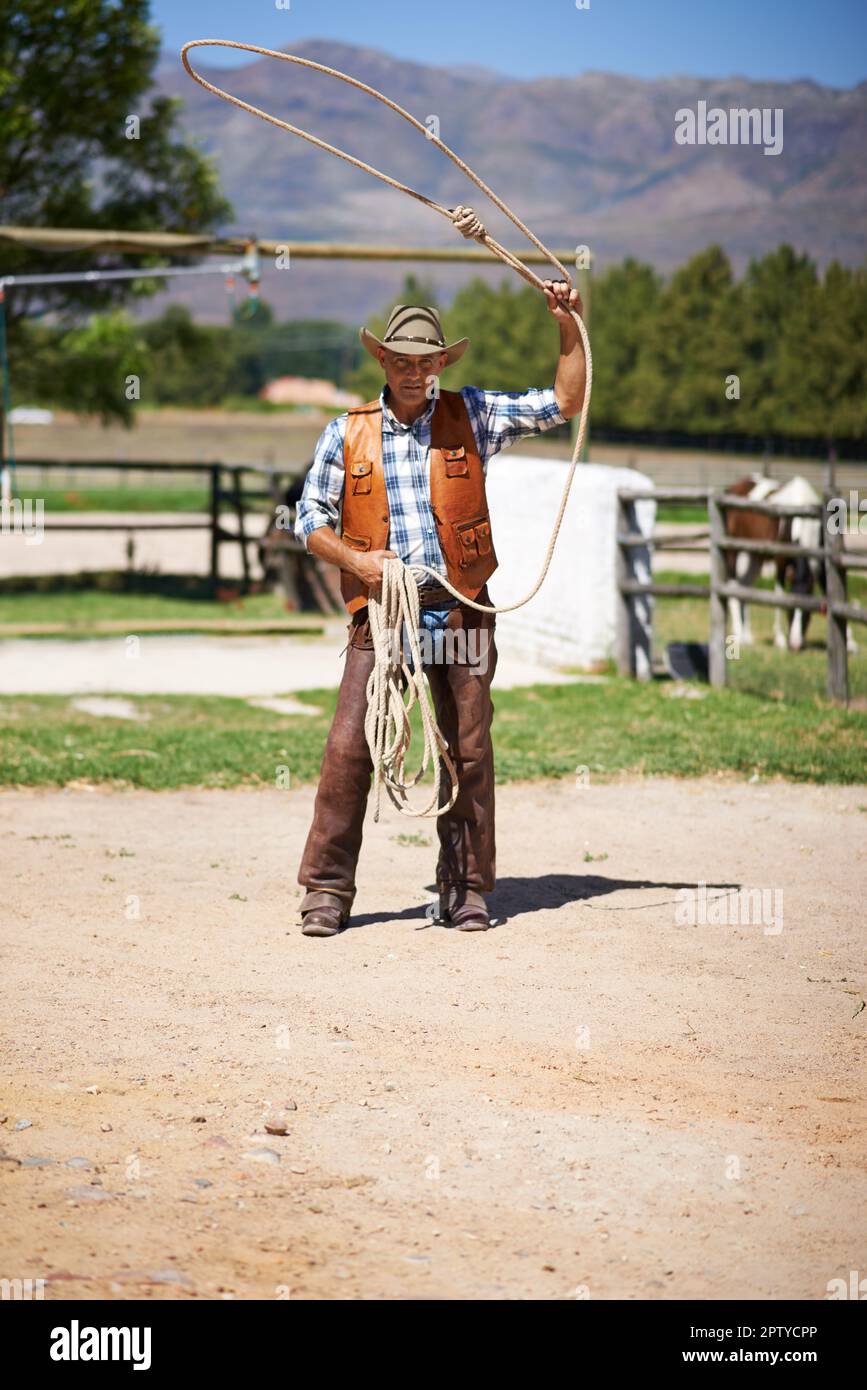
319 504
503 417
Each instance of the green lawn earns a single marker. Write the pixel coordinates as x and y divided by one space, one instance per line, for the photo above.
762 669
772 721
545 731
121 499
81 608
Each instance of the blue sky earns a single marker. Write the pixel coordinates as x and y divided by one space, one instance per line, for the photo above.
825 40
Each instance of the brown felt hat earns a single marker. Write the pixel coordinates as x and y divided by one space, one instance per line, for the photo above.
416 329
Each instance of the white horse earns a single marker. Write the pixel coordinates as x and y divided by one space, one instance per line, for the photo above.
799 574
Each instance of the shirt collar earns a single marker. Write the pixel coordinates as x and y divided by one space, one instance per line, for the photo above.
390 421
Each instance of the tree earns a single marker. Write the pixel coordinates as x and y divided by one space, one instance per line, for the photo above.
75 80
625 302
688 352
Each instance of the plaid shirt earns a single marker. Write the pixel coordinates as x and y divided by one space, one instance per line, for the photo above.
498 419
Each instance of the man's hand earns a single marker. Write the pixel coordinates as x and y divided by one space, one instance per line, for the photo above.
367 565
559 295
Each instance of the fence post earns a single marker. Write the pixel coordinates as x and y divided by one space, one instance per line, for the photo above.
717 640
242 534
835 593
215 526
623 648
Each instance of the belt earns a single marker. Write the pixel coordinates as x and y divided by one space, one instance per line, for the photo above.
434 596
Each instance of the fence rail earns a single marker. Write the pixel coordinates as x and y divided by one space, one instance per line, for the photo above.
633 637
225 491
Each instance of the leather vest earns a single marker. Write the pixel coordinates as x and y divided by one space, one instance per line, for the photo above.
457 495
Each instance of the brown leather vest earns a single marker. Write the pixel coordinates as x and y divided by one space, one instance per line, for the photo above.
457 495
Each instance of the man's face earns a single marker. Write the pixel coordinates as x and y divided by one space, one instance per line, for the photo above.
409 377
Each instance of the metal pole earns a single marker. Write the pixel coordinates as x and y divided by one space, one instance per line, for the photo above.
584 286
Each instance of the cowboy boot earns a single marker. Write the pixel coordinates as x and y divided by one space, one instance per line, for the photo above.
330 855
325 915
464 907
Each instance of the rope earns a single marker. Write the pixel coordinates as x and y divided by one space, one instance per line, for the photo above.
387 720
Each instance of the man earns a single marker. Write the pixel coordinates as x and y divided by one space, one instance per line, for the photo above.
408 469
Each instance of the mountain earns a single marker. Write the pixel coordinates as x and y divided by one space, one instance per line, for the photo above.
590 159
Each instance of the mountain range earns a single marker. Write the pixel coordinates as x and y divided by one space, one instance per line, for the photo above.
584 160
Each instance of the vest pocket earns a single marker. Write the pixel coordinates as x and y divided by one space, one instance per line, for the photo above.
362 476
474 538
355 542
456 464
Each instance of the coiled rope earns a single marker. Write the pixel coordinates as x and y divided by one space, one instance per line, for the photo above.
389 704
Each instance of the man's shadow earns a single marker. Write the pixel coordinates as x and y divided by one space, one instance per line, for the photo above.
516 897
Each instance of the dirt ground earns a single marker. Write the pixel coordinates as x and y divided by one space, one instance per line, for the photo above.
595 1099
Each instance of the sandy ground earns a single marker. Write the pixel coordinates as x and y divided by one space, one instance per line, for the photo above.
593 1099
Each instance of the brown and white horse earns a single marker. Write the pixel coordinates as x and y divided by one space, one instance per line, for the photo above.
796 574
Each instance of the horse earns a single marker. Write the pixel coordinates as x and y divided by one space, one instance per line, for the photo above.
798 574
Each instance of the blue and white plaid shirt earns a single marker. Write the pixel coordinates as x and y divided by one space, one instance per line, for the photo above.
498 418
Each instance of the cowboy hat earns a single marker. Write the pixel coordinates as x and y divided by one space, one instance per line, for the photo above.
415 329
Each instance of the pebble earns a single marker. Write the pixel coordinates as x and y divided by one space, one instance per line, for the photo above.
203 1182
105 1127
297 1168
275 1125
78 1163
23 1124
36 1162
90 1194
91 1090
262 1156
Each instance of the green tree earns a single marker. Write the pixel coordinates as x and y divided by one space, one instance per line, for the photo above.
72 74
189 364
625 302
689 350
776 298
100 367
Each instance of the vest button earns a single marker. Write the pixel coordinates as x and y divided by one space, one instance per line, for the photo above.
385 518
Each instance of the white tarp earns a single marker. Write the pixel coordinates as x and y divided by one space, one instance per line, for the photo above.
571 620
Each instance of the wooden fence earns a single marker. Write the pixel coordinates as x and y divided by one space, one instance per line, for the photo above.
633 639
228 489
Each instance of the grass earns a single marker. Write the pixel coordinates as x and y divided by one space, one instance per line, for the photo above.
81 609
668 511
772 721
121 499
543 731
762 669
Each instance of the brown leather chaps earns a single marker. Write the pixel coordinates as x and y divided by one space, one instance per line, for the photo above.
460 675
